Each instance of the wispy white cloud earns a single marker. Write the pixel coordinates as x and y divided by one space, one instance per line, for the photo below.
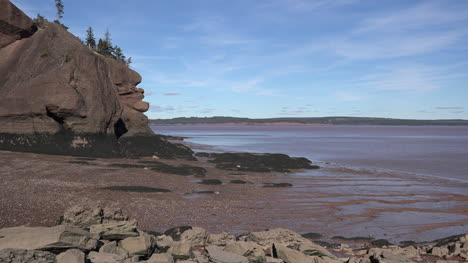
349 96
402 78
412 31
172 93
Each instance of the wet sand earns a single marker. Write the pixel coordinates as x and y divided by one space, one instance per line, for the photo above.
36 189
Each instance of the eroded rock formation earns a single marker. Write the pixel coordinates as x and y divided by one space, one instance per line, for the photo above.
59 96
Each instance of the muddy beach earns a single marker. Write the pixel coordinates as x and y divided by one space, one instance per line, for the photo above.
37 188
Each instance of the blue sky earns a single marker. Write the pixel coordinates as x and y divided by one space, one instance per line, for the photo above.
280 58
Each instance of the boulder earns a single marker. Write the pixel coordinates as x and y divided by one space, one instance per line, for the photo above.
359 260
115 230
82 216
181 250
195 236
164 241
176 232
287 238
142 245
26 256
220 239
386 257
99 257
112 248
46 238
71 256
161 258
217 255
248 249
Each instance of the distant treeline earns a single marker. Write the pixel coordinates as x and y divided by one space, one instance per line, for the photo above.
318 120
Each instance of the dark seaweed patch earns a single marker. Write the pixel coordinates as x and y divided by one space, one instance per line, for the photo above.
312 235
86 159
353 238
127 165
211 182
250 162
136 188
239 182
278 185
80 162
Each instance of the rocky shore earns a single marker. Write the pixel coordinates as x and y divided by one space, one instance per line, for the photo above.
96 234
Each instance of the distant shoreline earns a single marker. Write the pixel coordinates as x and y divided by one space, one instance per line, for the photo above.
312 121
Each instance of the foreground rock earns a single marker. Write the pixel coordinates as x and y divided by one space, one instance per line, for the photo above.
55 238
75 241
60 97
257 162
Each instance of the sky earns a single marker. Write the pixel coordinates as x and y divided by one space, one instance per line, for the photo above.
286 58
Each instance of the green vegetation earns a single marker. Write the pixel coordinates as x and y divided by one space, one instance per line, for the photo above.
59 6
40 20
67 58
307 121
45 53
105 47
90 40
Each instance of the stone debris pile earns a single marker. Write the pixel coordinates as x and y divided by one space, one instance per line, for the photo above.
107 235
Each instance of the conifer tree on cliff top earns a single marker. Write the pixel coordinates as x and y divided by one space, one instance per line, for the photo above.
90 40
59 6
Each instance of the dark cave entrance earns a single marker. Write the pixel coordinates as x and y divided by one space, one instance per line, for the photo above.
120 128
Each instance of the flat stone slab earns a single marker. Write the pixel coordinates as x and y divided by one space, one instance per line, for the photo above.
219 256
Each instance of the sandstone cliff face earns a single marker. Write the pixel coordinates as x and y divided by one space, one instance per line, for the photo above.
57 93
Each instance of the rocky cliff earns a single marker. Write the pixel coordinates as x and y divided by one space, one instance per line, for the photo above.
60 97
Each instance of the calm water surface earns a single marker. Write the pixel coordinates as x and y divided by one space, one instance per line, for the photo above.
423 150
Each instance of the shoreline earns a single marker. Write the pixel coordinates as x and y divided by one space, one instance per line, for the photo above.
32 182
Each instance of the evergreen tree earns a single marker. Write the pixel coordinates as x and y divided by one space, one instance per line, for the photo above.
107 37
90 40
59 6
119 56
39 20
129 61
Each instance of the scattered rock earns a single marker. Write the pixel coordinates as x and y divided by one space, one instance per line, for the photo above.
71 256
11 255
247 249
287 238
115 230
161 258
112 248
55 238
181 250
220 239
386 257
196 236
176 232
99 257
217 255
142 245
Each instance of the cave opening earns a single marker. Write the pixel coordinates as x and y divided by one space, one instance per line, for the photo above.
120 128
